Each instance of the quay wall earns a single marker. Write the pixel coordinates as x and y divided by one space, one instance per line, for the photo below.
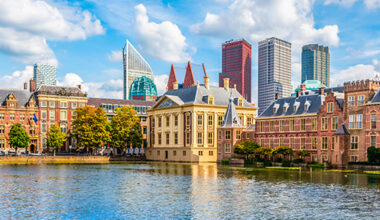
53 160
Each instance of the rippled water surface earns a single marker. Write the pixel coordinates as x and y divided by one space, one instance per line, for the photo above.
205 191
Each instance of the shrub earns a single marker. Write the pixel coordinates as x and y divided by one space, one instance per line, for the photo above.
226 161
286 164
267 163
373 155
249 160
298 160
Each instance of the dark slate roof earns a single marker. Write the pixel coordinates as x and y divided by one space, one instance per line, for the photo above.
197 94
22 96
340 103
315 102
251 127
339 89
376 98
99 101
60 91
231 118
342 130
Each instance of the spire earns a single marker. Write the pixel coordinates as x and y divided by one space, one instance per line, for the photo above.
231 118
172 78
189 77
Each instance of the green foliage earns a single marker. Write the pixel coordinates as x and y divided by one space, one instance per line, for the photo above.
286 164
246 147
55 137
303 153
226 161
373 155
90 127
298 160
263 151
125 128
282 151
18 137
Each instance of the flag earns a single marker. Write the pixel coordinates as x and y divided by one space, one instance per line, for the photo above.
35 118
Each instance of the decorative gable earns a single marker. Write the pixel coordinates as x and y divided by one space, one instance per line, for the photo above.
167 103
11 101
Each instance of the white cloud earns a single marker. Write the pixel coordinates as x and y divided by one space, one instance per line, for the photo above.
163 40
115 56
26 25
161 82
291 20
357 72
372 4
17 79
345 3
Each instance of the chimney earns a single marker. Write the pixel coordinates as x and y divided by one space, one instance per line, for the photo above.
207 82
226 83
321 91
79 86
25 86
32 85
277 95
298 93
175 85
303 87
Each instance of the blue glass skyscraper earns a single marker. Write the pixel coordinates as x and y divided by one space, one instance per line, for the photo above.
316 63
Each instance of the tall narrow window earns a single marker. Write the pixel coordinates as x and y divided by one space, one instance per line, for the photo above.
200 120
187 138
200 137
361 100
210 138
238 134
210 120
271 126
324 143
330 107
159 121
359 121
159 138
292 142
167 121
176 120
282 125
228 135
303 143
220 120
228 148
351 100
352 121
334 123
314 143
324 124
291 125
187 120
373 141
314 124
354 142
175 138
303 124
373 121
167 138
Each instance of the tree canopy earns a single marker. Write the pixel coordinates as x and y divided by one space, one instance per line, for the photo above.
18 137
246 147
263 151
55 137
282 151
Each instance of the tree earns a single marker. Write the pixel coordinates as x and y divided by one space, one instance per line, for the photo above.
246 148
373 154
303 154
282 151
263 151
90 127
55 137
18 138
125 127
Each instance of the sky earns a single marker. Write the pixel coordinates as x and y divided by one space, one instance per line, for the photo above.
84 38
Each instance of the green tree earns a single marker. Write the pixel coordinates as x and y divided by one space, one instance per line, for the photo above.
90 127
282 151
303 154
18 138
265 152
55 137
373 154
246 148
125 128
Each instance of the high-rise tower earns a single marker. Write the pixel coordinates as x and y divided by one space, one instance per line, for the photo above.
316 63
134 66
274 71
44 74
236 65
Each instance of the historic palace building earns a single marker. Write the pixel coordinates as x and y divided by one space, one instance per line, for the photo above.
183 123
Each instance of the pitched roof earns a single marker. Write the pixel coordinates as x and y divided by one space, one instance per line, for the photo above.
251 127
342 130
231 118
376 97
189 77
22 96
294 106
99 101
60 91
172 78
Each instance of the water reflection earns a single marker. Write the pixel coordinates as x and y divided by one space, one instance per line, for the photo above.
201 191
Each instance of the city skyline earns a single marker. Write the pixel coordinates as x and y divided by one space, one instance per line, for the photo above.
85 52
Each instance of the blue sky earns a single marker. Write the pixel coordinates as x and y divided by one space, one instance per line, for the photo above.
84 38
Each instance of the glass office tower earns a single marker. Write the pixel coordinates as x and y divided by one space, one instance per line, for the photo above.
44 74
316 63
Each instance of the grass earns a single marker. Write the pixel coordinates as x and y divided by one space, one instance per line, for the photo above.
372 172
284 168
341 171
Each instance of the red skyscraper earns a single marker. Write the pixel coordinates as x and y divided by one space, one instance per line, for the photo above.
236 65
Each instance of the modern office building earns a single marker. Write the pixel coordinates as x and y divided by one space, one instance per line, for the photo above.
274 75
236 65
144 89
44 74
316 63
134 66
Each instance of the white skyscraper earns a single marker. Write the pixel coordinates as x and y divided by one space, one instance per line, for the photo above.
44 74
274 75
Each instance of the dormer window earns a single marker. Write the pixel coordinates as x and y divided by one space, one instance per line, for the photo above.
240 101
307 105
275 108
285 108
295 106
211 100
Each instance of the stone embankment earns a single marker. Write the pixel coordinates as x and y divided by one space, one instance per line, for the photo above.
64 159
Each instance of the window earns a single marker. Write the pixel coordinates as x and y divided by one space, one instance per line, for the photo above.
334 123
2 143
281 142
51 115
22 117
291 125
261 126
200 153
292 142
238 134
174 153
330 107
332 143
324 124
175 138
303 143
167 121
249 120
271 125
176 120
159 121
188 138
184 153
228 134
324 143
219 135
74 105
354 158
220 120
314 143
63 128
43 104
262 143
1 116
354 142
314 124
373 121
144 130
51 104
210 120
211 100
373 141
159 138
303 124
200 138
282 125
43 114
351 100
63 104
63 115
228 148
43 128
240 102
81 104
12 116
211 153
2 129
167 138
352 121
361 100
271 143
210 138
200 120
359 121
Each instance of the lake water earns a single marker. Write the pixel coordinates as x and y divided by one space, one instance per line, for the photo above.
184 191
